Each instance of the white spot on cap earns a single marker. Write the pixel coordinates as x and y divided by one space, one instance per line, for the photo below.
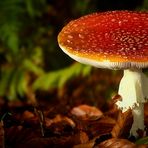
113 20
68 41
81 36
70 36
119 23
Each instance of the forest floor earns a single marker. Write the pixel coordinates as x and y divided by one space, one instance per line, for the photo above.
80 115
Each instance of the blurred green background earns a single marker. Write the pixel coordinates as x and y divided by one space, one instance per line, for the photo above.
30 58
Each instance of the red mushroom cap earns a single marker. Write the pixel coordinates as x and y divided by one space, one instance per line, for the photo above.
116 39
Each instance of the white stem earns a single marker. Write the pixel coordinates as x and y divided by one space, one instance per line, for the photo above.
133 89
138 118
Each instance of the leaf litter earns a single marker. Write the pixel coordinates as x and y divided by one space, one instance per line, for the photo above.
80 117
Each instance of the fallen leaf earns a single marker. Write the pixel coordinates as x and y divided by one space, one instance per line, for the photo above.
58 142
116 143
27 115
123 125
59 118
1 135
86 112
83 137
86 145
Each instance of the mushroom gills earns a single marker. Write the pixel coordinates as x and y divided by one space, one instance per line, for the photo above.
133 90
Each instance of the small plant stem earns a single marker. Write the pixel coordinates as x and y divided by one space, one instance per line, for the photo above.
40 116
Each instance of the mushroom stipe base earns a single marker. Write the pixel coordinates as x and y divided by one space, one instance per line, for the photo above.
134 91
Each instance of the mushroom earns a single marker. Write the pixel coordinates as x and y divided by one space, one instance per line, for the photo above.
114 40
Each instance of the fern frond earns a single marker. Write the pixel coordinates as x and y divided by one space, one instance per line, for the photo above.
15 15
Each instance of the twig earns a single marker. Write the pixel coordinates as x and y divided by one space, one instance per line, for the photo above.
40 116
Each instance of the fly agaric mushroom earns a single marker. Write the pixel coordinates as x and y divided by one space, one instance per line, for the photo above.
114 40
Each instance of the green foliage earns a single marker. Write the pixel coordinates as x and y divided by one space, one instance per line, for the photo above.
57 79
29 54
22 58
4 115
14 16
80 7
33 7
142 141
144 6
4 80
14 80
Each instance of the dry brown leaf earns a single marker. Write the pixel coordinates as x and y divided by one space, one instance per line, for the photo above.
57 142
86 145
83 137
1 135
87 112
142 146
27 115
17 136
59 118
116 143
123 125
100 127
